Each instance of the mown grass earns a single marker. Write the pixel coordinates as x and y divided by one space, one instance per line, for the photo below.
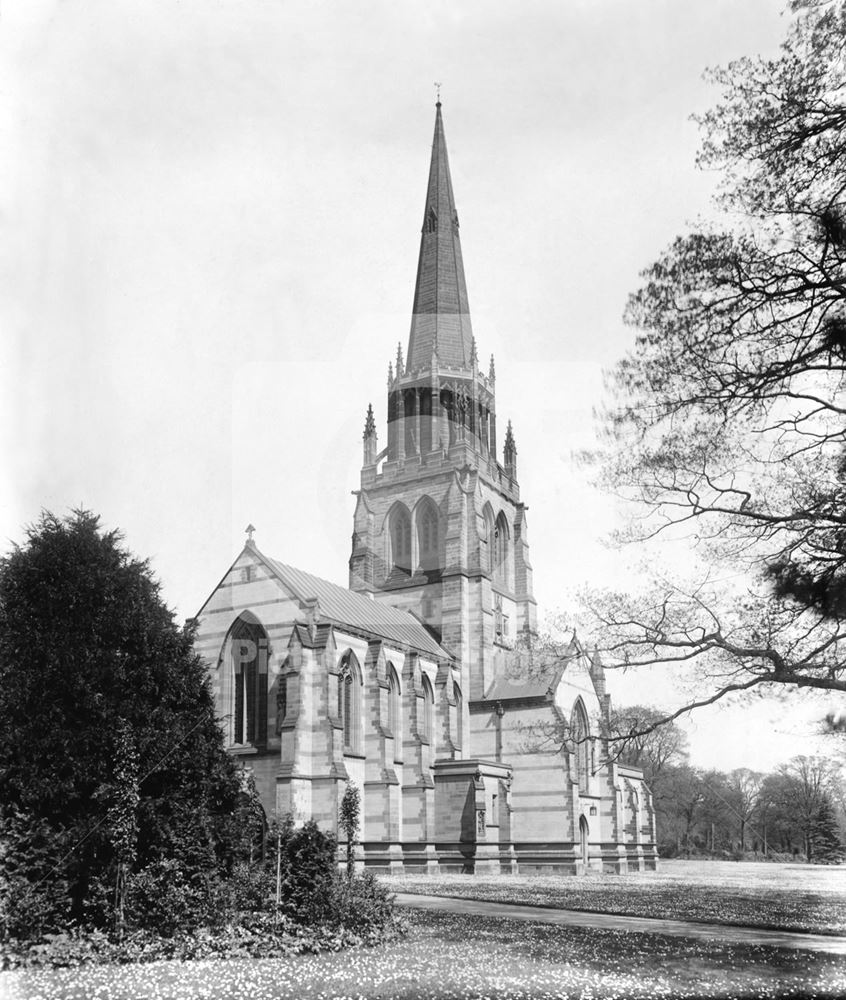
457 956
785 897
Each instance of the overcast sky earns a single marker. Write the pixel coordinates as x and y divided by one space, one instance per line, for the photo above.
210 218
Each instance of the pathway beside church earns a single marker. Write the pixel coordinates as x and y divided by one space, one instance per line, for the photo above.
607 921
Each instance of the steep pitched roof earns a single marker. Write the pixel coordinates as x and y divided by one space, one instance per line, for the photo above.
530 672
344 607
441 314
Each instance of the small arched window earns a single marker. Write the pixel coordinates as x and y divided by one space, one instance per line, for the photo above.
401 539
427 728
431 221
393 703
427 536
249 656
580 737
349 702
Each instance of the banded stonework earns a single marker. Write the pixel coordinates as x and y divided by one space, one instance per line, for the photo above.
421 682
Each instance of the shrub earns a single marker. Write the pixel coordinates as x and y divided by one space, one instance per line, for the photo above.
363 904
166 898
251 887
309 873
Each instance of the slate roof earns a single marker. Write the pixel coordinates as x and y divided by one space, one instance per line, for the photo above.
345 607
531 673
440 314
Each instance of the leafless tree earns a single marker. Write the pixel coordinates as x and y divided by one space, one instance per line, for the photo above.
727 428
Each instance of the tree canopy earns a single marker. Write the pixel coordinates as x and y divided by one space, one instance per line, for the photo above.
110 753
728 424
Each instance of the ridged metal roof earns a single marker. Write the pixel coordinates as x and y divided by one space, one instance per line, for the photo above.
345 607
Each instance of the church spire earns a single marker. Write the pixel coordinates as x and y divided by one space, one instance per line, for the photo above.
441 316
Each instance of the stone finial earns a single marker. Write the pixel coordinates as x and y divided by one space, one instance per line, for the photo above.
369 422
399 360
492 370
249 530
474 355
390 373
369 437
510 452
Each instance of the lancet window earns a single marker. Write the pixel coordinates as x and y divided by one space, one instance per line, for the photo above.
580 738
349 702
249 655
401 538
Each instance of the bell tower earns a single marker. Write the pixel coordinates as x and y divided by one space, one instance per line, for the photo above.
439 528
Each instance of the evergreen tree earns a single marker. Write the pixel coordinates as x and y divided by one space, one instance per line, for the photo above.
349 821
109 747
826 846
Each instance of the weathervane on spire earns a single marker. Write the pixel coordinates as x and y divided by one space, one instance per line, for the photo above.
438 91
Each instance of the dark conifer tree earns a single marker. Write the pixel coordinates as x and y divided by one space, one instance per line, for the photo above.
94 671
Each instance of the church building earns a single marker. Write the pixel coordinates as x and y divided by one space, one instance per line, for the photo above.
475 748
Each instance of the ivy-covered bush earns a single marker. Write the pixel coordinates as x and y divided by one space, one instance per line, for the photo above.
362 904
167 898
309 875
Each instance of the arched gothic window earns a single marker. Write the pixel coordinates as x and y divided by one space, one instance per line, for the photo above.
431 221
401 539
580 737
249 655
459 715
490 532
349 702
428 727
393 703
427 536
500 549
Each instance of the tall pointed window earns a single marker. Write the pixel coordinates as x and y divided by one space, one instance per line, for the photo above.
487 556
580 738
431 221
349 702
249 655
427 535
401 538
428 721
501 550
393 703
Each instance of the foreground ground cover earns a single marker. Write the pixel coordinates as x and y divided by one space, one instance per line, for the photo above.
786 897
455 956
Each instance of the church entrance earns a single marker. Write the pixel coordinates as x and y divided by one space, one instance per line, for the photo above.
583 840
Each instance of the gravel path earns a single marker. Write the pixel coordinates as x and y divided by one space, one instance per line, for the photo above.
675 928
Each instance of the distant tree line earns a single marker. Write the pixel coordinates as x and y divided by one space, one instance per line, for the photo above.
797 810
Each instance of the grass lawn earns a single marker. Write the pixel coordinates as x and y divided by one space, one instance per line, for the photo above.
455 956
787 897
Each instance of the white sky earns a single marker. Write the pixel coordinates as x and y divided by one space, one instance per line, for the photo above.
210 216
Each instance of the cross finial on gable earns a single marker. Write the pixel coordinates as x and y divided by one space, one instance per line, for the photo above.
249 530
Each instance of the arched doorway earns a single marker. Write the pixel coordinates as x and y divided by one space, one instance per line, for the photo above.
583 840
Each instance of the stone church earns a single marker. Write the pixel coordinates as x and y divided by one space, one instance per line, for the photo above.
474 748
